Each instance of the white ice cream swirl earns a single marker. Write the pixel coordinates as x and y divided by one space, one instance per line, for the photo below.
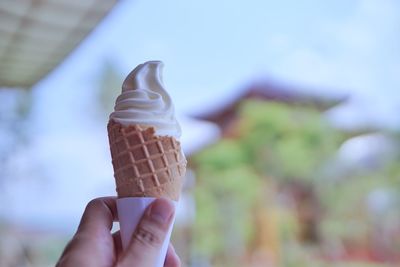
144 101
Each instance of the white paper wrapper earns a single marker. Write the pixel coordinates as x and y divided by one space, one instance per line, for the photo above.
130 211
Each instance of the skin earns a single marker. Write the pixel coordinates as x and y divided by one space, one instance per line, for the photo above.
94 245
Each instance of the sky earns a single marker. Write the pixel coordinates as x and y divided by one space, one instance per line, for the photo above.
211 50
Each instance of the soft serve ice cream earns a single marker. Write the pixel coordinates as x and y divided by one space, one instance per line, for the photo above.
144 137
144 101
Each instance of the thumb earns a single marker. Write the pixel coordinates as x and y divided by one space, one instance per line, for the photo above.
147 240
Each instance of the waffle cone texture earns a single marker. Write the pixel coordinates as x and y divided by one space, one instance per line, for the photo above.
145 164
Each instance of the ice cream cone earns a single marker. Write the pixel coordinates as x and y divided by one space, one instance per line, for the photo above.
146 155
145 164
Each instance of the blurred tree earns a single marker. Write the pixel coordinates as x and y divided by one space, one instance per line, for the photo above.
228 190
275 140
14 119
109 84
287 142
362 210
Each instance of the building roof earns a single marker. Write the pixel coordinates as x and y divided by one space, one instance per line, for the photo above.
36 35
270 91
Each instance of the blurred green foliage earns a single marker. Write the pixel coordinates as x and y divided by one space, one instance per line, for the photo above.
283 147
109 85
285 141
270 139
227 190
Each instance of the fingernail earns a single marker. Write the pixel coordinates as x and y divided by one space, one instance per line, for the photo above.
161 210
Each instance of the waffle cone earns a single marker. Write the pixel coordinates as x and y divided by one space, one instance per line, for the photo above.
145 164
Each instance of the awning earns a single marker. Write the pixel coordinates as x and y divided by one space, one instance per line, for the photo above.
36 35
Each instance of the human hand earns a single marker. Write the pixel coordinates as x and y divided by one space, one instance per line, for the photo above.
94 245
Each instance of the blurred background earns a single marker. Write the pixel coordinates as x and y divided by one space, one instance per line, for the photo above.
289 112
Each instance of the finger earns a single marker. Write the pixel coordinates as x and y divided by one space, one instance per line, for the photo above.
117 242
93 236
172 259
99 215
149 235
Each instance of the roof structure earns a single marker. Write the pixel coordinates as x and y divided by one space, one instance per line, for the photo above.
269 91
36 35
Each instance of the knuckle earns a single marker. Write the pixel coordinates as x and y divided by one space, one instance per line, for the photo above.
147 236
93 203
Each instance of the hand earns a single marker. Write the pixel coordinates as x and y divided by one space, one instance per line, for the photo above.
94 245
